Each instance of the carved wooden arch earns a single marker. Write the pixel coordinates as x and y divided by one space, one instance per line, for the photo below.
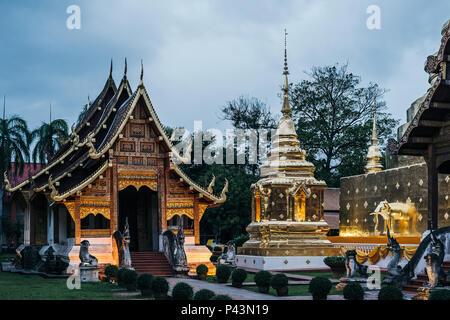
124 183
88 207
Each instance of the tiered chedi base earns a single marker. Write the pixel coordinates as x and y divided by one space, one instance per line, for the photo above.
286 245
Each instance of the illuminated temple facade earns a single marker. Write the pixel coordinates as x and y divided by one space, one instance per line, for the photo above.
117 163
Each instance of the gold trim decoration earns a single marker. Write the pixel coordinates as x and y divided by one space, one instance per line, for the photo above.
95 207
180 208
138 180
70 206
211 184
380 252
201 210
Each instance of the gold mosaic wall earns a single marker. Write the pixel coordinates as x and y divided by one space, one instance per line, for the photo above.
404 188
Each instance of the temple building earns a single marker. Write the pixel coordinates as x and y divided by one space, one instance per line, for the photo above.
288 230
117 163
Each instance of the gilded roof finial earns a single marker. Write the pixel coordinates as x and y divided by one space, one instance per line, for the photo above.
125 71
111 69
286 109
374 154
89 102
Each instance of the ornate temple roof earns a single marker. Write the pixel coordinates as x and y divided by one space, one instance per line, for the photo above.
85 155
287 162
427 115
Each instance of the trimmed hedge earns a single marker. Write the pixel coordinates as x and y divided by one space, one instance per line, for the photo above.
238 277
390 293
202 269
353 291
320 288
280 283
144 283
223 273
334 261
111 271
262 280
160 287
182 291
129 278
120 273
204 294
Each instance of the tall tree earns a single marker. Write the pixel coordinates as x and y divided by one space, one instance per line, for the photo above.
50 137
333 115
14 146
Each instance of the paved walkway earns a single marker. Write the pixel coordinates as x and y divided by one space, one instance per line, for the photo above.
242 294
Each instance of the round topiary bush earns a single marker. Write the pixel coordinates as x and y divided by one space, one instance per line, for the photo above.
144 283
353 291
442 294
120 273
182 291
111 272
319 288
238 277
280 283
223 273
221 297
202 271
262 280
160 287
129 278
204 294
390 293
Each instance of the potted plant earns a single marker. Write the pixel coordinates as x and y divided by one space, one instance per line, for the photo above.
280 283
223 273
129 278
144 283
262 280
160 287
353 291
319 288
204 294
111 273
336 264
202 272
390 293
182 291
238 277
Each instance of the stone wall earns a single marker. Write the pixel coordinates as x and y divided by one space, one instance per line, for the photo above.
361 194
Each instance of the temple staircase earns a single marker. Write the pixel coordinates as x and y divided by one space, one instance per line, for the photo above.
154 263
421 279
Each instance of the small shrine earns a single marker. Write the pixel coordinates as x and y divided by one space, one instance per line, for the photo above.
288 229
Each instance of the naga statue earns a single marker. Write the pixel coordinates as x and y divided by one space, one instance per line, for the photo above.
352 265
396 276
173 247
228 257
85 258
123 246
434 259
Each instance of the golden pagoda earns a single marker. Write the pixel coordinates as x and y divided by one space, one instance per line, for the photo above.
287 212
374 156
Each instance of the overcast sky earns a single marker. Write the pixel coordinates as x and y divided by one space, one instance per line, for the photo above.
200 54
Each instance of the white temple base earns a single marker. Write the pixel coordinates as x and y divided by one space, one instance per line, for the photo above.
281 263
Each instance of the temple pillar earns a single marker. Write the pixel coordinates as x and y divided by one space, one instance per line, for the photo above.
50 226
27 223
114 196
162 192
77 220
196 221
432 188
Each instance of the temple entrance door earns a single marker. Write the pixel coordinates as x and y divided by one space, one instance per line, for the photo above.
141 208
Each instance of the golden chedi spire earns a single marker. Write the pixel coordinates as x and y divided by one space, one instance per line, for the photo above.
374 154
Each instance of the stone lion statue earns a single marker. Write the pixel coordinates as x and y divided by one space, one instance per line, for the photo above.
85 258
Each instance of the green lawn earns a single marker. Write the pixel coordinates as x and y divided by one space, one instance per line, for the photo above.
250 278
6 256
326 274
14 286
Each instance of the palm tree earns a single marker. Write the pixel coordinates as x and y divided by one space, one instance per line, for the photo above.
14 146
50 137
